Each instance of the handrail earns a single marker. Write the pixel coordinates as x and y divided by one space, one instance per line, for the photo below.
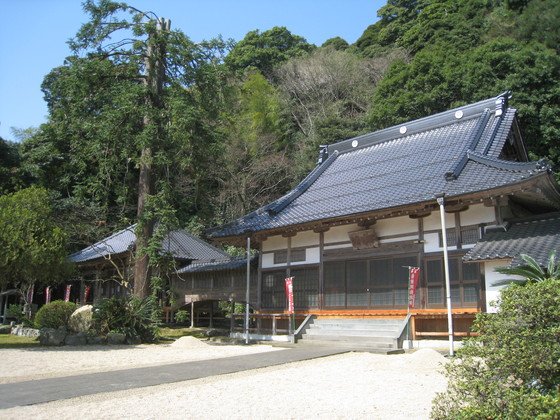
303 325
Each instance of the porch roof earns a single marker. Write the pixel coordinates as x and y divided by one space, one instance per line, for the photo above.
457 153
536 236
216 265
180 244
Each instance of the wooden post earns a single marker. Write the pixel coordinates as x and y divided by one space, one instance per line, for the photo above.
232 318
192 314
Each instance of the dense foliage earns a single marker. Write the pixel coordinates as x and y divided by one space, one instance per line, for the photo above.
126 315
33 246
55 314
512 370
232 126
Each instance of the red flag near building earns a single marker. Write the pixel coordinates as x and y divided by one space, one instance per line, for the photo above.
413 275
48 295
67 294
86 294
290 294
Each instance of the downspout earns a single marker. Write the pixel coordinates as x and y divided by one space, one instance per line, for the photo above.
441 201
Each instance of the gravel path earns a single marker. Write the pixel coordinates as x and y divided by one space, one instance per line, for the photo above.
347 386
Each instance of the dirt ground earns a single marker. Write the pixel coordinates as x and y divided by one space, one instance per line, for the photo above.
348 386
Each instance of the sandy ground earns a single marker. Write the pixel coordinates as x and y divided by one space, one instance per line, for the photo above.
347 386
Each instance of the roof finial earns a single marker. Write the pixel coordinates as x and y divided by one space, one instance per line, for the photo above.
323 153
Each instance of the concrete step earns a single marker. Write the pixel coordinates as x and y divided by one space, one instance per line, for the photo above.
381 342
378 333
356 326
349 332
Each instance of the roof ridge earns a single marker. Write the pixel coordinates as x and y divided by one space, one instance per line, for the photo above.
498 103
472 142
277 206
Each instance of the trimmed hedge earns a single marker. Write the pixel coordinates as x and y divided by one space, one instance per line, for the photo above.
55 314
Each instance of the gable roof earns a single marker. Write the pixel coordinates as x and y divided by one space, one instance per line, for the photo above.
455 152
180 244
536 236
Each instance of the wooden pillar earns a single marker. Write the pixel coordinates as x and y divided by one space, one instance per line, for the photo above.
232 319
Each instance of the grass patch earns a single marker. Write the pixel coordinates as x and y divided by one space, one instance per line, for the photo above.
172 334
9 341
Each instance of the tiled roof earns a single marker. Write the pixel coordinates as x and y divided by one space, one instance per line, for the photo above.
178 243
536 236
215 265
455 152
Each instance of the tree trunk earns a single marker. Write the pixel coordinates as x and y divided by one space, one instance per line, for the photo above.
155 71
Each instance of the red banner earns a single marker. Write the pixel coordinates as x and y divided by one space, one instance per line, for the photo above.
413 275
290 294
67 294
48 295
86 294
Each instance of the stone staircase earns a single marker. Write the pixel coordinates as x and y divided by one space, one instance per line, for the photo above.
368 334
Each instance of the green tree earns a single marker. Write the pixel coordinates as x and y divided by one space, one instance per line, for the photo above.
11 176
255 168
123 118
266 50
33 248
511 371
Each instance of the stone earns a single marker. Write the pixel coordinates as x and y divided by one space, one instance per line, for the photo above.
134 340
97 340
216 332
75 340
81 319
52 337
116 338
25 331
5 329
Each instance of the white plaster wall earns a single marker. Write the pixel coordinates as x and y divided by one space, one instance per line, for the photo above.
274 243
339 233
433 221
305 239
267 260
476 214
410 238
312 256
491 276
431 243
396 226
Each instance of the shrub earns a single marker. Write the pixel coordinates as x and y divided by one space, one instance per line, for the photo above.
55 314
15 311
182 316
512 370
127 315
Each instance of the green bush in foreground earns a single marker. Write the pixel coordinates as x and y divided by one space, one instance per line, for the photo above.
127 315
512 370
55 314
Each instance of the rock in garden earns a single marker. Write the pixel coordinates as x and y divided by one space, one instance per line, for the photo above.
76 340
52 337
116 338
81 320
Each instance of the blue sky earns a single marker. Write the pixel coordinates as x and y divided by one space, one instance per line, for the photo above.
33 36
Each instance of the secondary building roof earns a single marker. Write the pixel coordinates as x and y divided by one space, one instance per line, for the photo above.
180 244
471 149
536 236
